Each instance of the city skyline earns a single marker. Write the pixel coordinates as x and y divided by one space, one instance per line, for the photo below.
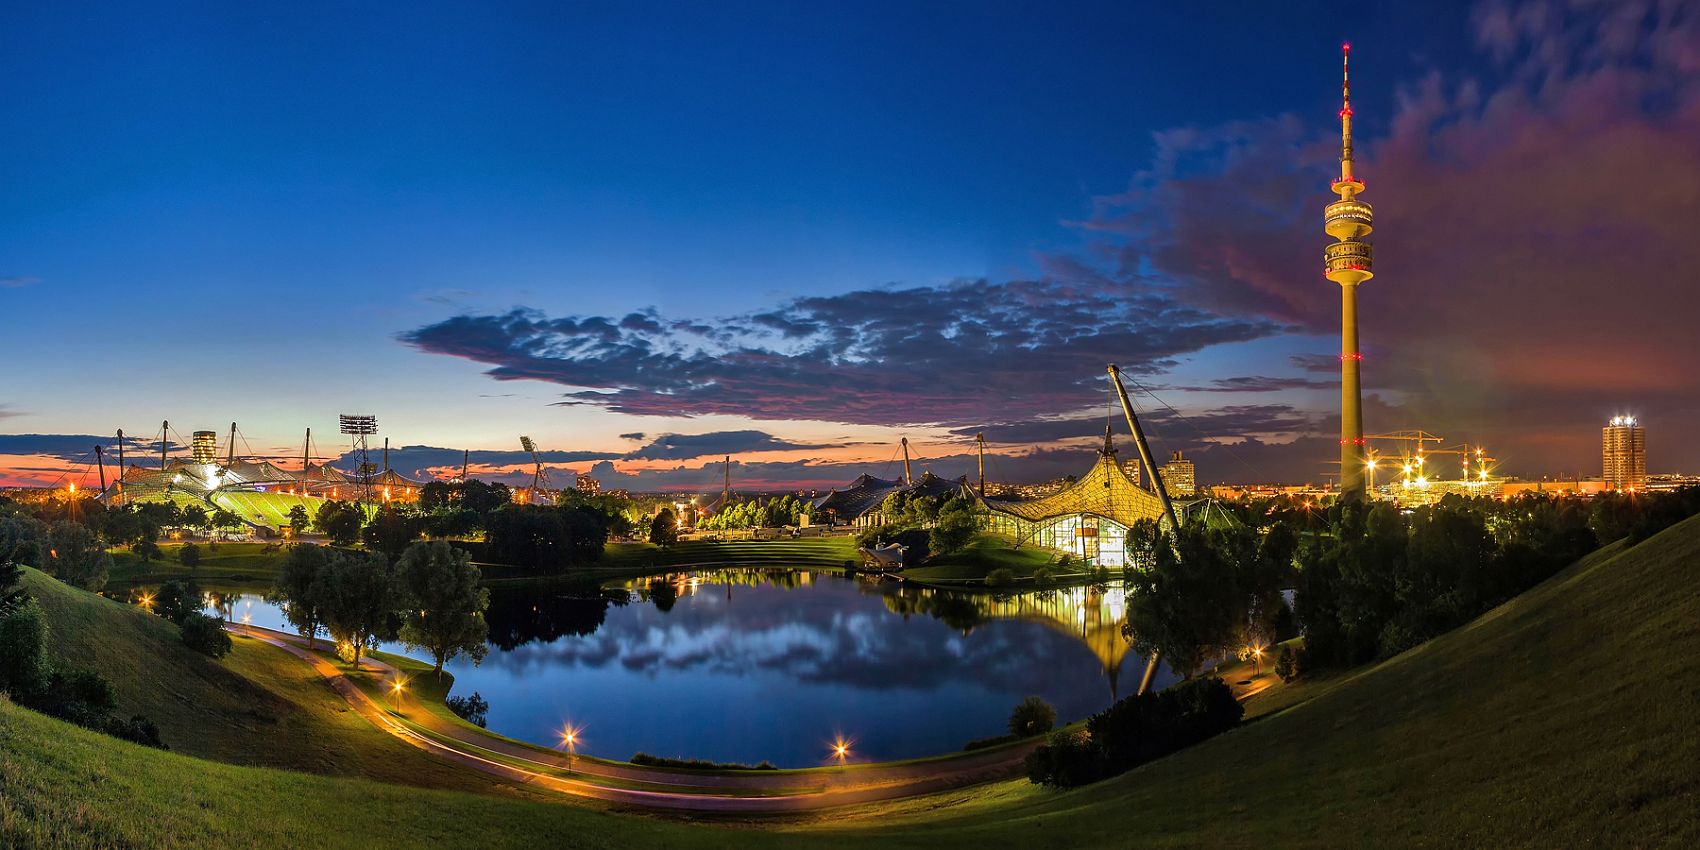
845 253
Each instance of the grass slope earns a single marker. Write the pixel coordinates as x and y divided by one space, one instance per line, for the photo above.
1564 718
258 706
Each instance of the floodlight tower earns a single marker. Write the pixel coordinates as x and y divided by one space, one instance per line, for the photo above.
1349 262
360 427
539 475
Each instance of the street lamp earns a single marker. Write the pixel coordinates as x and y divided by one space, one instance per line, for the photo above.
841 748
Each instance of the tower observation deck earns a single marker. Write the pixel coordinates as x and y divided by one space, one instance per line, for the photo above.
1349 261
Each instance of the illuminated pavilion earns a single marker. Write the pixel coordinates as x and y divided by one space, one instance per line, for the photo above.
1089 519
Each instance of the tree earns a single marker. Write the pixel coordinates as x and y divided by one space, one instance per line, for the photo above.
24 540
205 635
446 616
472 709
177 599
664 528
1205 592
227 521
189 555
1032 716
361 599
300 587
392 530
77 556
340 521
298 519
954 529
146 550
194 516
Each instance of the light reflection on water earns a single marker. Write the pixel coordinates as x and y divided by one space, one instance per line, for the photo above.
752 664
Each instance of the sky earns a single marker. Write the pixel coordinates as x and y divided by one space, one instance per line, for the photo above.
651 236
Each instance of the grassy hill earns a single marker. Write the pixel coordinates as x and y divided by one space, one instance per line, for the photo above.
1563 718
258 706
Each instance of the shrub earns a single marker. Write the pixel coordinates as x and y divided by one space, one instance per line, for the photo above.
1000 577
1044 574
206 635
24 670
472 709
1287 664
189 555
1032 716
983 743
648 760
1068 759
1136 730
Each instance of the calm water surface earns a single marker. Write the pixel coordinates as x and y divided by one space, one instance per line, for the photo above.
746 665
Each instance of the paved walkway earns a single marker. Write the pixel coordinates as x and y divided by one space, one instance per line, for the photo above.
749 792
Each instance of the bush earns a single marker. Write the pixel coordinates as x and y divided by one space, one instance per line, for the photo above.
1044 574
1068 759
1032 716
472 709
189 555
1136 730
1000 577
648 760
1287 664
24 671
983 743
206 635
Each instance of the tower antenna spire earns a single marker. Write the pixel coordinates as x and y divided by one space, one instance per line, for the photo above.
1346 113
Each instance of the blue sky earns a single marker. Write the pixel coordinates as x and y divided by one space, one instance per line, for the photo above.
216 212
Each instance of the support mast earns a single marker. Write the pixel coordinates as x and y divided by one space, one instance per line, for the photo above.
231 460
306 458
120 465
980 441
908 477
1156 485
100 463
164 439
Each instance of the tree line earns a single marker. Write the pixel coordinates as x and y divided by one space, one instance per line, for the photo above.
428 598
1368 579
929 526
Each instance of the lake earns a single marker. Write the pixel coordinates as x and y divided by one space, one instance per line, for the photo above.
753 664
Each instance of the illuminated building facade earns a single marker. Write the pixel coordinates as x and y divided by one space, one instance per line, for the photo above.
1180 477
1089 519
1349 262
1623 454
203 446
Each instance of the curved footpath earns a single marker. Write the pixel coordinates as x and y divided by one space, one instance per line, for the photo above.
740 792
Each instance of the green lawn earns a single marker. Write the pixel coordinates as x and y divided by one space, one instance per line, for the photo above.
221 564
1565 718
988 552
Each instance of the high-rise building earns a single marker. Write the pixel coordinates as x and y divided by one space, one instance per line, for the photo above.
1131 467
1349 262
203 446
587 485
1180 477
1623 453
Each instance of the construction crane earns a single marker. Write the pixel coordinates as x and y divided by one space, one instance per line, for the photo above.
540 476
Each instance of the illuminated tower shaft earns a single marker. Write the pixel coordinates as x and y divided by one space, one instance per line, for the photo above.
1349 262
